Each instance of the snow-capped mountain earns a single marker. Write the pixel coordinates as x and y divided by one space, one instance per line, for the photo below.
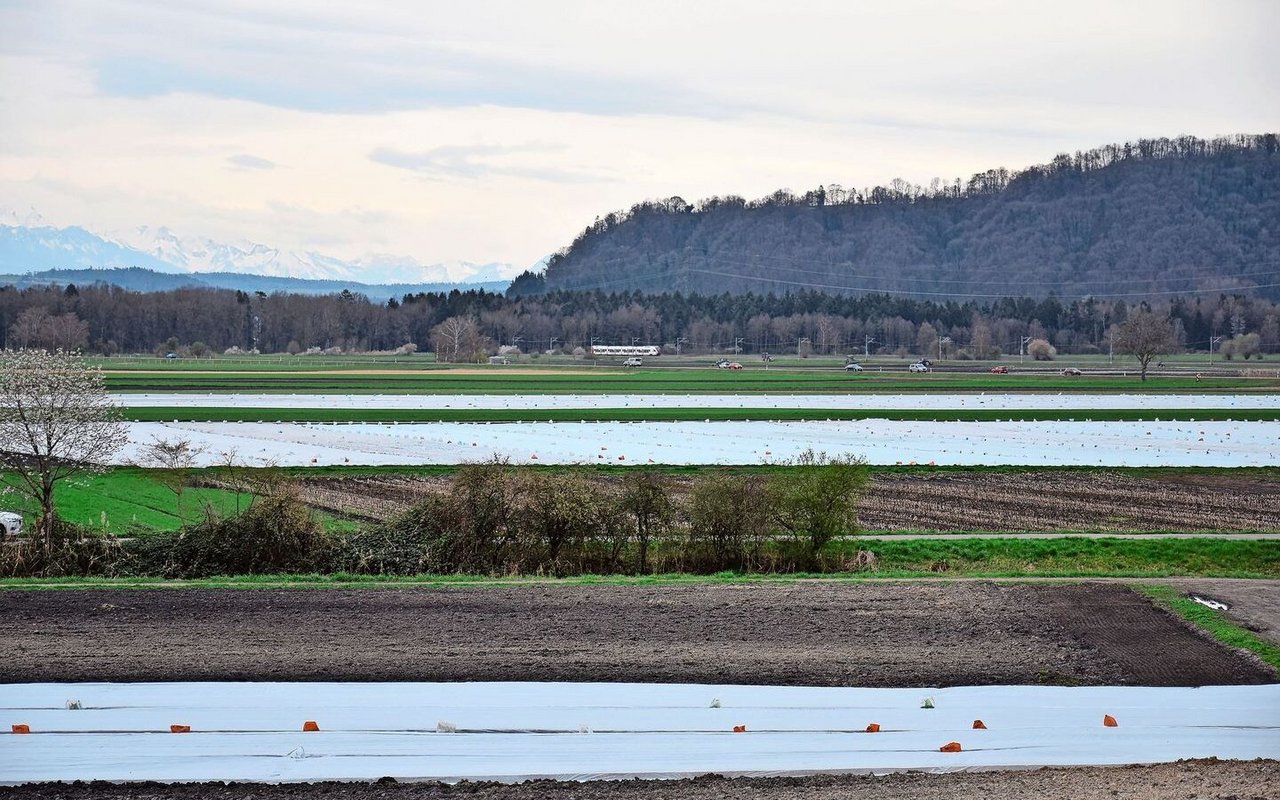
199 254
26 245
37 249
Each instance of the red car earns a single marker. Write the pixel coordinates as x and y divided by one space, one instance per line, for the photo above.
734 365
999 370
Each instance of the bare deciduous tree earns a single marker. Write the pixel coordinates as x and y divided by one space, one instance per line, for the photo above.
1144 336
56 420
456 339
35 327
175 458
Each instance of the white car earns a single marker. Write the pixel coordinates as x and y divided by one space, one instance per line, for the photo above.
10 524
853 368
919 367
633 362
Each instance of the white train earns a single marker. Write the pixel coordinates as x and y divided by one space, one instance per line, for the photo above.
625 350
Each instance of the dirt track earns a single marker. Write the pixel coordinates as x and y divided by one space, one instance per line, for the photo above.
1188 779
808 633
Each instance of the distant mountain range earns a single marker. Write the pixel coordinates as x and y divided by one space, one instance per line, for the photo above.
27 245
1140 220
139 279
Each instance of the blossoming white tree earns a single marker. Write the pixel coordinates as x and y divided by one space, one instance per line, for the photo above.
56 420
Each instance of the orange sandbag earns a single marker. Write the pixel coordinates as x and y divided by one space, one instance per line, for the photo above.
873 727
1109 721
950 747
739 728
179 729
979 725
21 728
310 726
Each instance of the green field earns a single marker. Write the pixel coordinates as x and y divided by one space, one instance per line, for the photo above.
123 499
130 501
389 415
494 380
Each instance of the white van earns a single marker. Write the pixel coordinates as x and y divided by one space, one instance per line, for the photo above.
633 362
10 523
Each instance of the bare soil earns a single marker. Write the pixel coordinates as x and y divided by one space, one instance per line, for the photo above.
948 501
1205 779
803 633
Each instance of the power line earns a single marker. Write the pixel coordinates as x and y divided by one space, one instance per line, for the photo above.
844 288
740 258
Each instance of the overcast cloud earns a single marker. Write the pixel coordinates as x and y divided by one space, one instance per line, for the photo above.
494 131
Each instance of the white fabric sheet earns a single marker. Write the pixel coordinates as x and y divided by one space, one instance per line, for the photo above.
518 731
1081 443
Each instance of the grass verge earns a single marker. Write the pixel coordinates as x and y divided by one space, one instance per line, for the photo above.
606 380
1073 557
1063 559
1212 622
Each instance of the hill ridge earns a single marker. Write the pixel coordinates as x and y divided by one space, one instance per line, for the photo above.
1155 217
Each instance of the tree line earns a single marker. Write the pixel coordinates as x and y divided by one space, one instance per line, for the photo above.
464 326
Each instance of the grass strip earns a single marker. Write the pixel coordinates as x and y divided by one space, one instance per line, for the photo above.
1063 559
672 381
394 415
1212 622
1054 556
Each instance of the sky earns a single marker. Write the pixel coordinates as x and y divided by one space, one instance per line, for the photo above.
496 131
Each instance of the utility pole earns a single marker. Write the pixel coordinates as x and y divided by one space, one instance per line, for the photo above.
635 340
1212 341
680 340
800 342
866 345
1022 349
737 345
551 345
941 341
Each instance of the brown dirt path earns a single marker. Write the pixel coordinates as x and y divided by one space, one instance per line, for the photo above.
798 633
1205 780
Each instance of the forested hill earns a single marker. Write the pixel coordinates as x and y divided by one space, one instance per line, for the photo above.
1123 221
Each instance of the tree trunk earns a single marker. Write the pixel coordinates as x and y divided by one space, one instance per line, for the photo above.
46 515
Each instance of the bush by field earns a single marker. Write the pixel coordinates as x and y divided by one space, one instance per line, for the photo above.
500 520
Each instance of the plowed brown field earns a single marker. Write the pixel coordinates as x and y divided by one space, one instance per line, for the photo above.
951 500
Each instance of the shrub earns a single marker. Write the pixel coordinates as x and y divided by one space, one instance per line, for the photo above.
401 546
728 521
277 534
1041 350
816 499
71 550
648 508
475 529
559 510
